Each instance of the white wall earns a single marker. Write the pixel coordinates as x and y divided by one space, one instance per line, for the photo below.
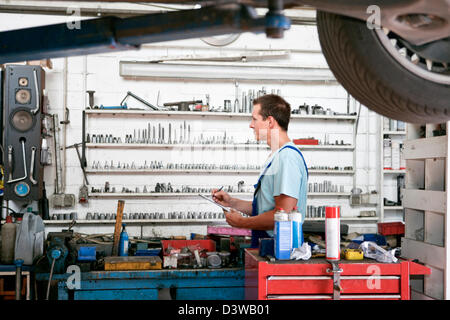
101 73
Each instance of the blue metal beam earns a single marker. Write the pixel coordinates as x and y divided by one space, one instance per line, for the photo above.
114 34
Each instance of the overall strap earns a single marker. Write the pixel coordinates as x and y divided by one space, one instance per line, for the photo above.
301 155
258 185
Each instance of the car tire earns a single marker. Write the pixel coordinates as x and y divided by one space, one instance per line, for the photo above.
363 66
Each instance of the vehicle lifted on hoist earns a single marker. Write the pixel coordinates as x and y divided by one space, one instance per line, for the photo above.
391 55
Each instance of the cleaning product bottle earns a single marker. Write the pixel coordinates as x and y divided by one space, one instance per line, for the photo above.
282 235
123 242
8 241
297 228
333 233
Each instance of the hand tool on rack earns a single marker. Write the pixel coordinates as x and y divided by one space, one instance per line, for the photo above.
189 134
124 106
182 105
170 134
129 93
236 106
154 135
159 133
91 99
83 194
59 198
181 134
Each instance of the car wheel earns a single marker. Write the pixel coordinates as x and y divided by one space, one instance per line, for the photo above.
384 72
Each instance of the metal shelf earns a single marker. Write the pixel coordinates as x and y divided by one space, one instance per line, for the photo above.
209 146
399 133
194 195
198 171
129 112
133 221
392 208
387 171
156 195
327 194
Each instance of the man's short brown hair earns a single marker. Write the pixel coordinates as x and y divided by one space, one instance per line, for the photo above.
275 106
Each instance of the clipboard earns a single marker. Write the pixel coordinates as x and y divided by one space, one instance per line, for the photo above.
217 204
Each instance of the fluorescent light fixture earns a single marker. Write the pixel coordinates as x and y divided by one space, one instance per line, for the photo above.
223 71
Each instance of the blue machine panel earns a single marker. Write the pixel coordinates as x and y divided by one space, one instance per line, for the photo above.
130 294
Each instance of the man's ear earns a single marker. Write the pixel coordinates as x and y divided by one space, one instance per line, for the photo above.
272 122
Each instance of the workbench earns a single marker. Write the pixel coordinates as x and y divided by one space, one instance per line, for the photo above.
183 284
312 279
10 271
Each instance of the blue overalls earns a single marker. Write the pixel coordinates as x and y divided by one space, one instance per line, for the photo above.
258 234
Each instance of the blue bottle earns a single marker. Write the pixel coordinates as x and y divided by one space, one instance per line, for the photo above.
297 228
123 242
282 235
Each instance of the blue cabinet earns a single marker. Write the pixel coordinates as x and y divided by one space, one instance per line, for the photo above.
179 284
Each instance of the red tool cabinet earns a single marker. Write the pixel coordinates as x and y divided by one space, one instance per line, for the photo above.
313 280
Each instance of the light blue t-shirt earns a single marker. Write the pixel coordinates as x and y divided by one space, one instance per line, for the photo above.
287 175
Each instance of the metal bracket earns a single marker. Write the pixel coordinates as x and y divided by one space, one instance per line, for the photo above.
337 289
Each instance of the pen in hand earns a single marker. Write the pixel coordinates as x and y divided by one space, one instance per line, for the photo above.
217 191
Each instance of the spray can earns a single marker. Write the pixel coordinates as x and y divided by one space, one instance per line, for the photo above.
282 235
332 233
8 241
123 242
296 219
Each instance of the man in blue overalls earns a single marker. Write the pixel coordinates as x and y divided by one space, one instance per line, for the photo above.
283 181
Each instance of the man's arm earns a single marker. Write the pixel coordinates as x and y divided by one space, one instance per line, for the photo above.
226 200
263 221
243 206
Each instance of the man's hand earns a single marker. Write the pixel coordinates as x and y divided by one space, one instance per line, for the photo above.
234 218
221 197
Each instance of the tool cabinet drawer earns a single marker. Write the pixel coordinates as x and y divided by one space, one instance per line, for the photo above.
324 284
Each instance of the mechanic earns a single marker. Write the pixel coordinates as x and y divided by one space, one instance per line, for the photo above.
284 179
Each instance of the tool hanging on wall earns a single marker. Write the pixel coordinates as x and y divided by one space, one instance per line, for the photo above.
129 93
83 195
182 105
59 198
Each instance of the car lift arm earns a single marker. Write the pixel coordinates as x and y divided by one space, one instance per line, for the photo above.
112 34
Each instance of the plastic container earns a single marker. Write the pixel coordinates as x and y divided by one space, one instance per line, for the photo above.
30 234
123 242
8 241
333 233
296 219
391 228
282 235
